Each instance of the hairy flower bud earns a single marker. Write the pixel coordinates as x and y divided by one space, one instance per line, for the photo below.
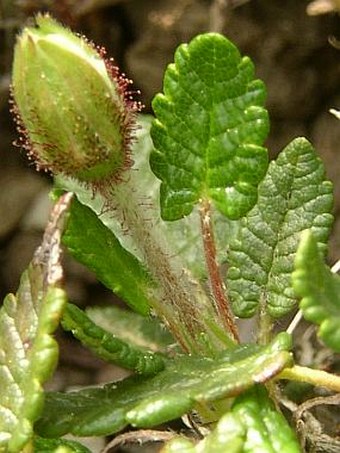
72 105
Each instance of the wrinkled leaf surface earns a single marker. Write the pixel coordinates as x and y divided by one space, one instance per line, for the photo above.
293 196
209 130
319 289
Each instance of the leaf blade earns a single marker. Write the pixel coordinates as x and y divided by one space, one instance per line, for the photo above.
147 401
252 426
293 196
209 129
319 290
108 346
267 429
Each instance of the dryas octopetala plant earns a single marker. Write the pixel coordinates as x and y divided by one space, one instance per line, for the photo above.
194 231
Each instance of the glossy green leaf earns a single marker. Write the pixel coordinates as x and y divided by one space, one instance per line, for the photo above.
28 353
141 331
319 290
144 401
110 347
252 426
209 129
42 445
293 196
267 429
95 246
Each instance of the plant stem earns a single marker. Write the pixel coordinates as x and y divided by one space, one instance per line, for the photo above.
180 301
315 377
216 284
265 323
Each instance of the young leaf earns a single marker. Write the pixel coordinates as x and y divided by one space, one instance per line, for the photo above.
109 347
144 401
267 429
319 289
228 436
209 129
141 331
293 196
28 353
95 246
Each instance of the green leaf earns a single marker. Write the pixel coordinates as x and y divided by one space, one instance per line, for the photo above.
110 347
209 129
141 331
319 289
144 401
293 196
253 426
267 429
28 353
95 246
42 445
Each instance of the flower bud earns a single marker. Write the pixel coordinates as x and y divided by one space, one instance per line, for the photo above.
72 105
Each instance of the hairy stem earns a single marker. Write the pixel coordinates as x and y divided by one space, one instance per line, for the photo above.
216 284
314 377
179 302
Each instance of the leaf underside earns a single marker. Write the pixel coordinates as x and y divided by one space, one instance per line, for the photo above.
141 331
110 347
252 426
293 196
28 353
95 246
319 289
149 401
209 129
